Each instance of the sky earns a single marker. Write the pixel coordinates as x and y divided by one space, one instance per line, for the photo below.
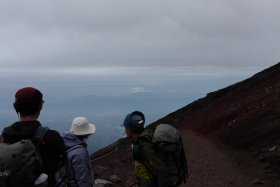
71 48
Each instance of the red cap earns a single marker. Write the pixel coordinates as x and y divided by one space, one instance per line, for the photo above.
27 99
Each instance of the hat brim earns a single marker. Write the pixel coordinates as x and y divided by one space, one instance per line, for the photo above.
91 129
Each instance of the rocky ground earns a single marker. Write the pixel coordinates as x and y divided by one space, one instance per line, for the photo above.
212 164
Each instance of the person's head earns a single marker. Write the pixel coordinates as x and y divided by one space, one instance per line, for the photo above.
134 124
82 128
28 102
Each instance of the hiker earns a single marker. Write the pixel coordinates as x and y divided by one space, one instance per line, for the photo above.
28 104
150 170
77 153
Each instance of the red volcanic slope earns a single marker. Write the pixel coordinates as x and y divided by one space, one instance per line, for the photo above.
245 115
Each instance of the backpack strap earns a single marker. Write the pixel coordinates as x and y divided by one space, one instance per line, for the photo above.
37 140
39 134
184 159
137 154
74 147
69 171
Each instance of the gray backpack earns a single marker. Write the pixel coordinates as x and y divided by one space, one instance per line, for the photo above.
168 144
20 163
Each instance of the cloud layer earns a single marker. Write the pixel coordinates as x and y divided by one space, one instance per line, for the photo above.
77 35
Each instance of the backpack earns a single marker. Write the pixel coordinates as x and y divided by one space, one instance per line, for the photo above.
20 163
168 144
65 176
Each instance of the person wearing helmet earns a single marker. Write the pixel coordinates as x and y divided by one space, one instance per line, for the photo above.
149 168
28 105
77 153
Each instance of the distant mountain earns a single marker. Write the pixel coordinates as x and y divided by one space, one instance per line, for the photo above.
150 103
107 112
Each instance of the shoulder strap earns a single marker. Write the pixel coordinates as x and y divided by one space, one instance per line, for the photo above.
37 139
137 154
39 134
144 139
69 171
74 147
184 159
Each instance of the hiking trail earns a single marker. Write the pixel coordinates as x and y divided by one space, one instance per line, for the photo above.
211 166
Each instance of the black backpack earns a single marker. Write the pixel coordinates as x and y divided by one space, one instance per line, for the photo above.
168 144
65 176
20 163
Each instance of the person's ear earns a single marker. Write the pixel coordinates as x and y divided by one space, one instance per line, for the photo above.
41 106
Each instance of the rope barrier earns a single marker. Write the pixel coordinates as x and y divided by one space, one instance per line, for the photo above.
105 155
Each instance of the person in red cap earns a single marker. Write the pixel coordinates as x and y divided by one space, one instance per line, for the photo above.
28 104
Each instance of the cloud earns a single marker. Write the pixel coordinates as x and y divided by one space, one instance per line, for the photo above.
138 90
76 34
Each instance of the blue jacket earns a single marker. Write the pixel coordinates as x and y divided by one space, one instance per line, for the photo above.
79 160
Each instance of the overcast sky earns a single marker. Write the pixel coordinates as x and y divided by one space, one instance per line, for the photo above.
137 45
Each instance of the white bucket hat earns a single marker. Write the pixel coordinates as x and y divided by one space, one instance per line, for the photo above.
81 126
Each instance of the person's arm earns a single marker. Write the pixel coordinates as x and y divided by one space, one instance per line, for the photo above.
82 168
155 165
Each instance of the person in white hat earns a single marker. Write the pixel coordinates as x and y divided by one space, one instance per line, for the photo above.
77 154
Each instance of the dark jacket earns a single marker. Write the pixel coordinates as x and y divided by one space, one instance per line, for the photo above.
79 160
51 149
150 170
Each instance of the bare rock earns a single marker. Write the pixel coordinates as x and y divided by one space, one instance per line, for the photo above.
258 181
115 179
102 183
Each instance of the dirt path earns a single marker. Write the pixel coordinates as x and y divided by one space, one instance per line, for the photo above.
210 166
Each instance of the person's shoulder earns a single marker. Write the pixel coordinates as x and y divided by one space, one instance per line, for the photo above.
53 140
145 137
53 136
5 131
52 132
78 149
9 129
78 152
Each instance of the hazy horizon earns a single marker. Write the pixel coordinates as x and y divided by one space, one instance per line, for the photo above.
70 49
108 110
